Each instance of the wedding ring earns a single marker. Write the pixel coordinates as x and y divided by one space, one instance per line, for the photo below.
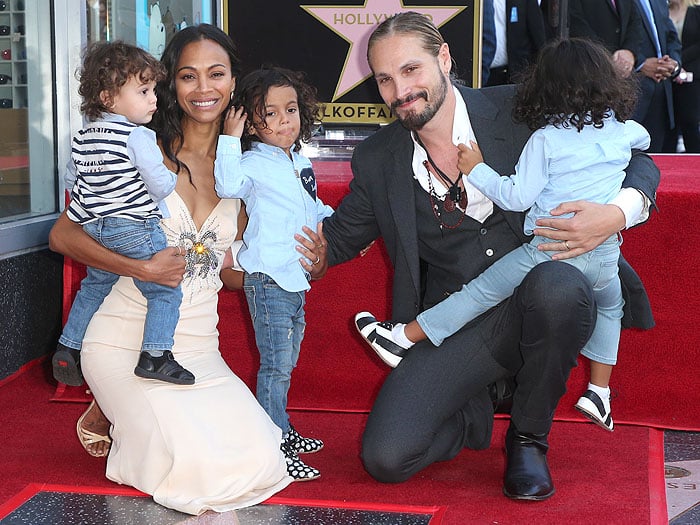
566 243
320 245
318 260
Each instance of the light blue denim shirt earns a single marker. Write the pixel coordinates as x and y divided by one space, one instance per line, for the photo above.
280 198
562 164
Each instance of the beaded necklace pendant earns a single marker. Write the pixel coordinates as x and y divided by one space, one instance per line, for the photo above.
455 196
448 206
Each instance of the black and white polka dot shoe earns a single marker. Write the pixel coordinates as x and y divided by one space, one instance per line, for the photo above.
296 468
302 445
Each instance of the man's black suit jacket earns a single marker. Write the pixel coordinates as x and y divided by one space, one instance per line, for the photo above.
688 95
670 45
525 34
615 27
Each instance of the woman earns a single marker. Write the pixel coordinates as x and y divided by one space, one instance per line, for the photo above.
686 87
200 447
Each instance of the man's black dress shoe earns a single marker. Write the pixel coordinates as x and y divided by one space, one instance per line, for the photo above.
527 474
163 368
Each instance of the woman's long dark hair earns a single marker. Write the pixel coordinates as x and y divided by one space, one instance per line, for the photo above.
251 93
167 121
573 83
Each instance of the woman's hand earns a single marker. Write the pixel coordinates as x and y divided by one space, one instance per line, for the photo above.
234 122
313 248
590 226
166 267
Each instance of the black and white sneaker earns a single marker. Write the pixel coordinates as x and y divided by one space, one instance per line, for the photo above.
591 405
302 445
378 336
296 468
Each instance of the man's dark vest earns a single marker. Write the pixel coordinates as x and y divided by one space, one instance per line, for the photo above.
451 257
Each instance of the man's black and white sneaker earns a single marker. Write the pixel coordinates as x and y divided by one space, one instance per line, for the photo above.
301 444
296 468
591 405
378 336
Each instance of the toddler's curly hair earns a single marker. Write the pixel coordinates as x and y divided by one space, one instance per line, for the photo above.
573 83
106 67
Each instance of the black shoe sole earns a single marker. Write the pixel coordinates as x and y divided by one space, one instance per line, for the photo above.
527 498
65 368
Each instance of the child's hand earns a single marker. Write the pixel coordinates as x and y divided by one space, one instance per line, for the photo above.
234 122
468 157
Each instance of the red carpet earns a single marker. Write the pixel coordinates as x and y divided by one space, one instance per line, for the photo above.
596 473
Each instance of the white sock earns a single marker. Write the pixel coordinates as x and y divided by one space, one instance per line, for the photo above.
399 336
603 394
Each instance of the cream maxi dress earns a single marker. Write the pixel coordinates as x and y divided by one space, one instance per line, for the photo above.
209 446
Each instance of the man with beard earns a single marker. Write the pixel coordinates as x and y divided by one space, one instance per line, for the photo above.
440 232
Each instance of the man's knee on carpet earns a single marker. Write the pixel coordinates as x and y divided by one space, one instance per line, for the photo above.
384 463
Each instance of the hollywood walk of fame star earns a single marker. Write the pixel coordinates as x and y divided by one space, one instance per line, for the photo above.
355 24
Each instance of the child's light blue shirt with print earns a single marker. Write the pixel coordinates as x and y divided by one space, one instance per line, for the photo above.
560 165
280 198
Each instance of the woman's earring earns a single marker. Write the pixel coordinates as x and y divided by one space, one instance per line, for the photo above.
231 96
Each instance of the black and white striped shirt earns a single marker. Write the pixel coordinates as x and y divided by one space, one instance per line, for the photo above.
116 170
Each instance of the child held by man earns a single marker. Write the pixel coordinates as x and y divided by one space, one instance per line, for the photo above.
578 105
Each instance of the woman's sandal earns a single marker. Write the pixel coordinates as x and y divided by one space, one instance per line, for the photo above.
88 437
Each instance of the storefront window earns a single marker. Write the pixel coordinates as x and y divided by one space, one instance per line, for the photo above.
26 111
148 23
40 47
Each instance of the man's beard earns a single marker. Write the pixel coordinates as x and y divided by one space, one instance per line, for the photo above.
413 121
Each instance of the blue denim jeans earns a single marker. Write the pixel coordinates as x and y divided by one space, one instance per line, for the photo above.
279 323
498 281
137 240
